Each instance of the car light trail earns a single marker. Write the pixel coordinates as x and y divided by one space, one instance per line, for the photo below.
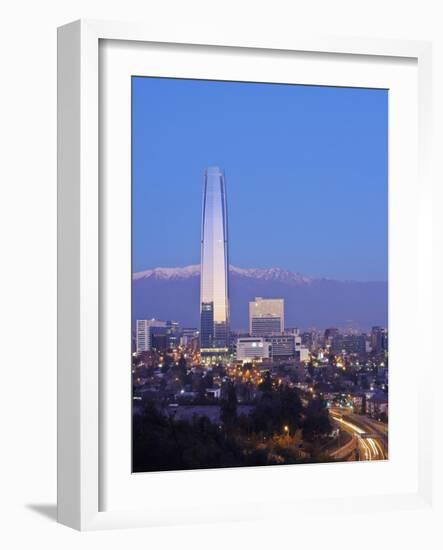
370 448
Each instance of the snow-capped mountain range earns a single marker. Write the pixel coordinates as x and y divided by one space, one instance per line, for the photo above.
173 293
271 274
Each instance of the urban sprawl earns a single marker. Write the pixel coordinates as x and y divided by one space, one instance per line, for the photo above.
215 397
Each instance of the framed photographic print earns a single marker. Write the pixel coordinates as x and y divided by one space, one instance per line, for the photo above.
242 262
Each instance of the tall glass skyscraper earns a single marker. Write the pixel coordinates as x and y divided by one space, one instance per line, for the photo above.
214 277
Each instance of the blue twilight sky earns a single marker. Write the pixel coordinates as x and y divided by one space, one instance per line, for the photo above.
306 170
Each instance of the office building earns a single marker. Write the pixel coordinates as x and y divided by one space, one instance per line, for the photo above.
160 339
189 336
282 345
266 316
143 333
214 276
331 333
378 340
353 344
307 339
249 349
155 334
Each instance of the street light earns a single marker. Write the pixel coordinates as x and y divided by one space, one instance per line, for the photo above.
286 430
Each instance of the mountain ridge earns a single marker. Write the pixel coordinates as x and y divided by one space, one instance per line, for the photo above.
173 293
272 273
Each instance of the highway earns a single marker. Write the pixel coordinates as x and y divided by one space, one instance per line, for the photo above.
370 436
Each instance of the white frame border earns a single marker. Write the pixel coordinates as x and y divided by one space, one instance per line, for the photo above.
78 255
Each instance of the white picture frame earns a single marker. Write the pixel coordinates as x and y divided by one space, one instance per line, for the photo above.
81 412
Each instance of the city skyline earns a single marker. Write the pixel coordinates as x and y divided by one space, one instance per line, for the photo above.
237 367
311 159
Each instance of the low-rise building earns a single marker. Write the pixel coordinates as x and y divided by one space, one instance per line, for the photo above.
214 392
252 348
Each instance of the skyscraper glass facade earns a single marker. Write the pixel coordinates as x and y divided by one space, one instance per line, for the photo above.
214 280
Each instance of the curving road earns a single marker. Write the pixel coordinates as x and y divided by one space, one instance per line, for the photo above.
370 436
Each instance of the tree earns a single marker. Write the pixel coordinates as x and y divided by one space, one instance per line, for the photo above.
276 409
291 408
266 385
316 426
364 400
311 370
182 370
167 362
229 406
162 443
365 383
